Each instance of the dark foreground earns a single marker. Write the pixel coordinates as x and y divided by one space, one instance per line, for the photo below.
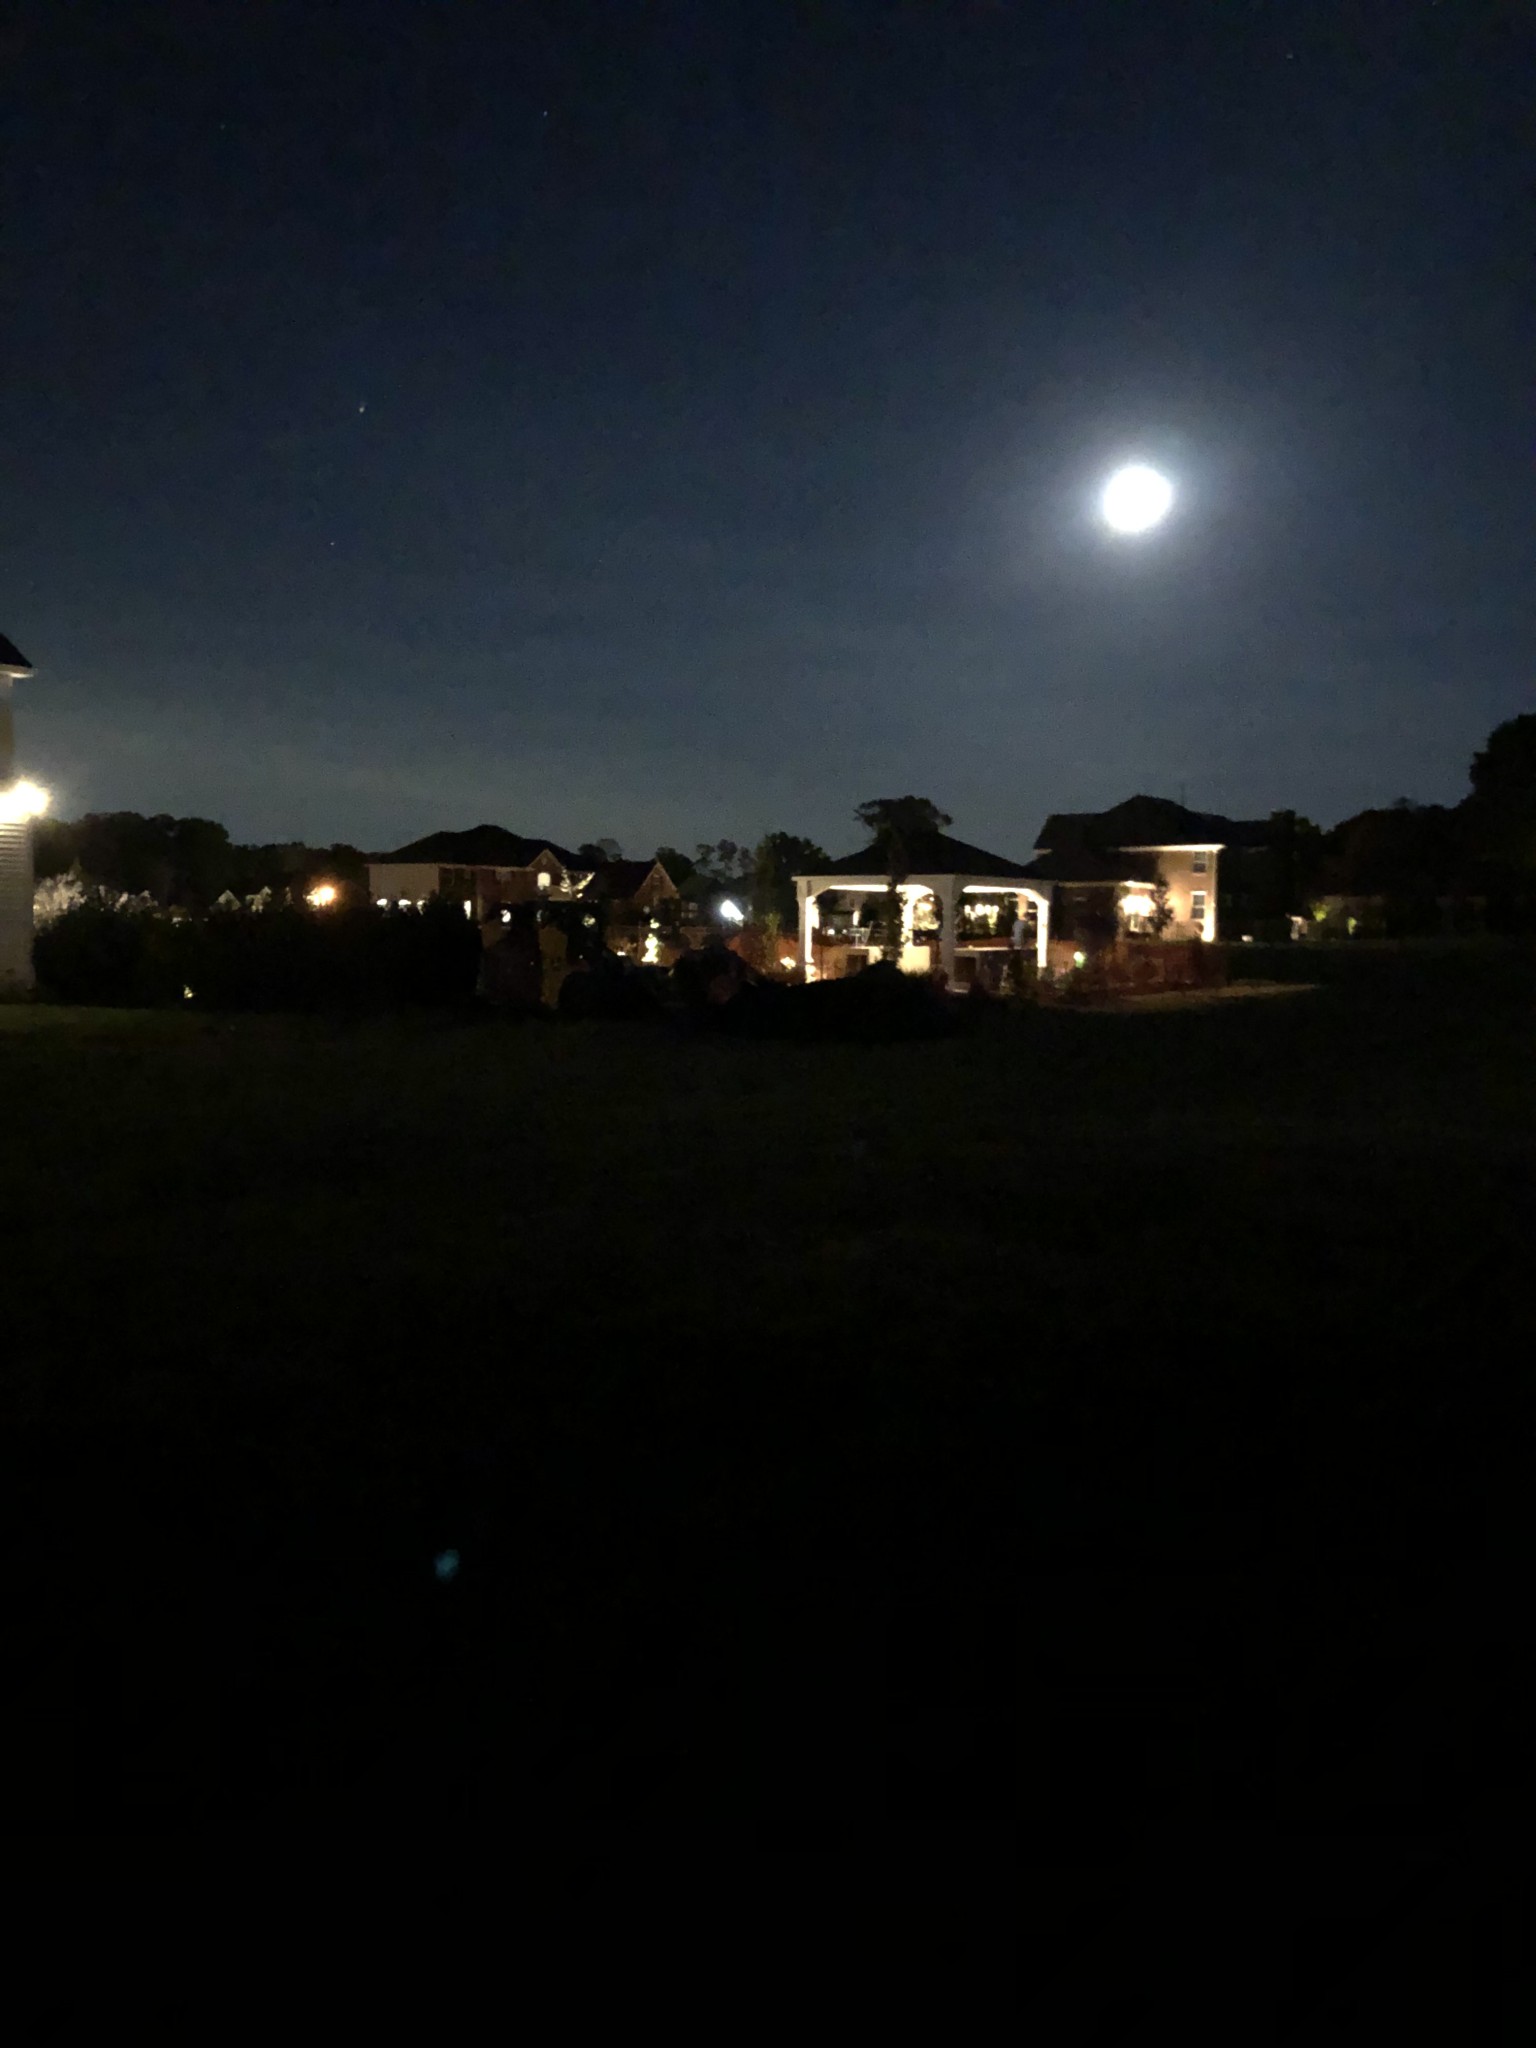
1087 1430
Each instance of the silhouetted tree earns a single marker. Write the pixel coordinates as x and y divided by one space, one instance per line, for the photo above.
1502 807
596 853
678 864
777 858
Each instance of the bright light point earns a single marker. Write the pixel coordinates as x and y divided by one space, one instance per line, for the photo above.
1135 498
23 800
319 898
732 913
1137 906
788 960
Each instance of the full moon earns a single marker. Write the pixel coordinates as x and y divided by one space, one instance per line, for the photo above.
1135 498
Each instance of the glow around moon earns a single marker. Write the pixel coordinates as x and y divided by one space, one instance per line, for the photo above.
1135 498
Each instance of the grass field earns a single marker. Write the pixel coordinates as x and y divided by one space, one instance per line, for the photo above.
1091 1419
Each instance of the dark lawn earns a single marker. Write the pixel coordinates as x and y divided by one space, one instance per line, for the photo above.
1090 1422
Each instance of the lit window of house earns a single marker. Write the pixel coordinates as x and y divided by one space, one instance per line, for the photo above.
1197 906
1201 863
545 878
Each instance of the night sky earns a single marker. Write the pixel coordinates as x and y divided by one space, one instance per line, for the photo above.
681 420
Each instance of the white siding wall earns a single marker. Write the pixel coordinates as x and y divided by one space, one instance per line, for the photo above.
15 868
15 906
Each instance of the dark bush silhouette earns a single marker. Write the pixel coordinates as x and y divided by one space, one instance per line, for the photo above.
276 959
877 1006
612 989
96 953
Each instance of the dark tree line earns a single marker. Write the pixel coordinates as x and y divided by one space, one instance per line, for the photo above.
1424 865
183 863
1415 859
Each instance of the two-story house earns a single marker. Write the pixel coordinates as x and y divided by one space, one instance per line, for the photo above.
483 868
1120 856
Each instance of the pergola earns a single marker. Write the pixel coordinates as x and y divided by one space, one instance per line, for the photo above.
947 869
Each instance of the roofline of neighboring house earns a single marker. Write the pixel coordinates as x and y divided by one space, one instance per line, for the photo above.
873 878
443 860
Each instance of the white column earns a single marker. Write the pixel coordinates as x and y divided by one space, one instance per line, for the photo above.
807 925
948 894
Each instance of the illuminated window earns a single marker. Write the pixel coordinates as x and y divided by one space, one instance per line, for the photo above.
1197 906
545 878
1201 863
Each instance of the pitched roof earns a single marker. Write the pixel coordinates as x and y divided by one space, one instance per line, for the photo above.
621 879
11 657
928 853
1148 821
1081 863
483 846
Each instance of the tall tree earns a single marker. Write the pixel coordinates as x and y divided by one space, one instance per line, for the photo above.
899 825
777 858
1502 807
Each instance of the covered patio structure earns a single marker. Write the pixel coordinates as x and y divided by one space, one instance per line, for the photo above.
945 883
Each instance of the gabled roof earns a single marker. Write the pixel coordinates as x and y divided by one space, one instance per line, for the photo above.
483 846
928 853
1148 821
1086 864
620 879
12 660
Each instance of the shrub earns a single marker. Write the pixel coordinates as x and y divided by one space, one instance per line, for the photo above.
282 958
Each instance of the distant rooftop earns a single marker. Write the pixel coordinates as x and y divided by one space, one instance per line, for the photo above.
927 853
482 846
621 879
1146 821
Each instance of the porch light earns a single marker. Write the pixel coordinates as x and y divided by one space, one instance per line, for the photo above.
732 912
23 800
1137 905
